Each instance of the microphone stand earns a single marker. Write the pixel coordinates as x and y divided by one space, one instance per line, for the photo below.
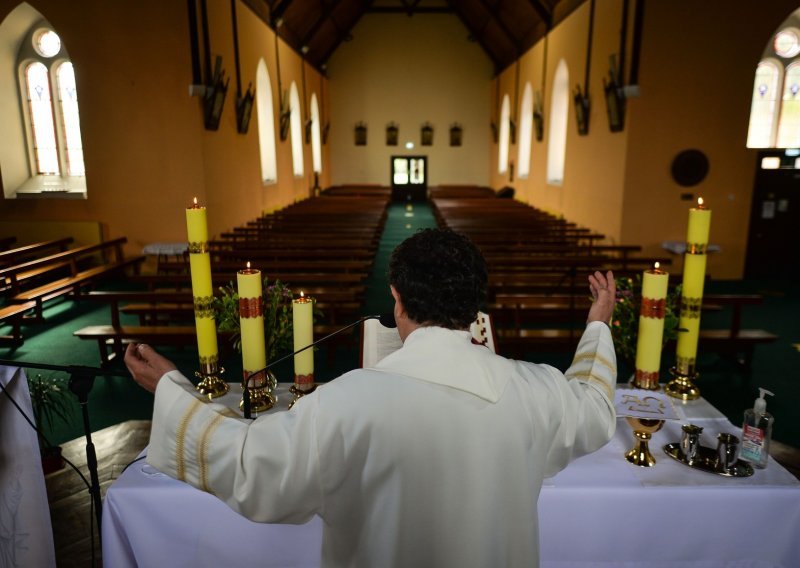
246 389
80 383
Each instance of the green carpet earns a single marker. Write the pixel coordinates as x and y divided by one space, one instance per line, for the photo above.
115 399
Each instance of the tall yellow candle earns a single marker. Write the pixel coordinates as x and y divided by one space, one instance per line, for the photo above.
251 320
200 267
651 328
694 274
303 330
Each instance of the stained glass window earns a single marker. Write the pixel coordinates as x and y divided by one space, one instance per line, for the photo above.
41 114
789 125
786 43
763 109
68 97
316 138
47 43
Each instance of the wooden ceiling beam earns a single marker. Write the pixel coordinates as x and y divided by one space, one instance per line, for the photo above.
544 13
323 17
508 33
476 34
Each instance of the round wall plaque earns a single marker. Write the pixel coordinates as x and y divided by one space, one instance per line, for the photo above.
689 167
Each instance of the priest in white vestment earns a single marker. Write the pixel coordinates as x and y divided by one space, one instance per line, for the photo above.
434 457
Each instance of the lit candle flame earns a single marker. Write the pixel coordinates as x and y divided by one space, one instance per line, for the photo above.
700 201
301 294
194 200
248 265
657 265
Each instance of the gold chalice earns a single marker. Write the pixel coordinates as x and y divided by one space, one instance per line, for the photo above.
643 429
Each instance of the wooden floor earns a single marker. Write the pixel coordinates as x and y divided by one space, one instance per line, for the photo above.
70 505
116 447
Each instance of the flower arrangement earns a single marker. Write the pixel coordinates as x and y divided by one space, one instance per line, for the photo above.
277 309
625 321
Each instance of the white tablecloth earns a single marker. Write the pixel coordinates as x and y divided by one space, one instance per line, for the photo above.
601 512
26 536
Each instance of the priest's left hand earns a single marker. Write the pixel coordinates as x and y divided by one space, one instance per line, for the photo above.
146 366
604 294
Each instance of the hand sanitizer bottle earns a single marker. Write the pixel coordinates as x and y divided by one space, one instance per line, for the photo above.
757 432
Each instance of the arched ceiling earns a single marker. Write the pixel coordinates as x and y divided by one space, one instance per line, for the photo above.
505 29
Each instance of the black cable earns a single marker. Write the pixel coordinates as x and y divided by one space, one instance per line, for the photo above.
29 421
140 458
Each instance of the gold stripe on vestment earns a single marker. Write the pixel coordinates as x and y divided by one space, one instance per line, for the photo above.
180 439
205 440
590 377
595 357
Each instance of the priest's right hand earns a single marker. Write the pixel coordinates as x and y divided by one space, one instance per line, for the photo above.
146 366
604 294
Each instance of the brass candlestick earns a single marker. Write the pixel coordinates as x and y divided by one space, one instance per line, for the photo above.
260 391
211 385
643 429
299 390
682 385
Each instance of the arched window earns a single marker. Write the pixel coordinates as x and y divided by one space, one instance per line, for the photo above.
775 107
763 110
316 138
789 124
296 128
42 150
525 132
559 113
266 124
505 128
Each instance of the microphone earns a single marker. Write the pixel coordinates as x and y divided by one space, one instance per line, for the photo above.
386 320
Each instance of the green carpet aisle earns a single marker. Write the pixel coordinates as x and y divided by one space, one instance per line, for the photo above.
402 222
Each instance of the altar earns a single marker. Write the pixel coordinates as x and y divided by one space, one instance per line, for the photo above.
600 511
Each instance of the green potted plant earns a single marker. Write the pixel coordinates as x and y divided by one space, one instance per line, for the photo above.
52 404
625 321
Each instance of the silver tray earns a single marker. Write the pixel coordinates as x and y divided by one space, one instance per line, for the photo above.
707 461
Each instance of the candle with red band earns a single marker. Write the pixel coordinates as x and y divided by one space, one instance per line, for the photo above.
651 328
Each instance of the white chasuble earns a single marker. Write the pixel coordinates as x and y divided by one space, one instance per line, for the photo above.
435 457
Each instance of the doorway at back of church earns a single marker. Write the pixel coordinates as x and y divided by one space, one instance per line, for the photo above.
409 178
775 217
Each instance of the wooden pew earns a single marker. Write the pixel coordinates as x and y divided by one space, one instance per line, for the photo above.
13 314
28 252
80 265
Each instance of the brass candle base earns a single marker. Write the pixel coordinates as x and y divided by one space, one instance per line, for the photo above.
643 429
298 393
210 384
260 392
682 385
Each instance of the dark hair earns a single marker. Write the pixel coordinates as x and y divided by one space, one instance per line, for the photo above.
441 277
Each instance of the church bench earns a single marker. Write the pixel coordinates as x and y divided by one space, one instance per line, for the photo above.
76 261
225 261
27 252
111 340
254 250
12 314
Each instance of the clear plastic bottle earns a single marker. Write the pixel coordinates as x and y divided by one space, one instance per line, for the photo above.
757 432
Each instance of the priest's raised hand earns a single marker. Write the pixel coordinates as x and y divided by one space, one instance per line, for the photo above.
604 293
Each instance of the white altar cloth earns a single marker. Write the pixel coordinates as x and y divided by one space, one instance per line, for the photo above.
26 536
599 512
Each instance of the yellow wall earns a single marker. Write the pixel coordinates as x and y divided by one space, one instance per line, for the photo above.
696 93
696 75
146 150
410 71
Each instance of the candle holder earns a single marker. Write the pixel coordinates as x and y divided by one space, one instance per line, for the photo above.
211 385
682 385
260 391
301 388
643 430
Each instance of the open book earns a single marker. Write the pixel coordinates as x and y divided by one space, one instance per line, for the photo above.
377 341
